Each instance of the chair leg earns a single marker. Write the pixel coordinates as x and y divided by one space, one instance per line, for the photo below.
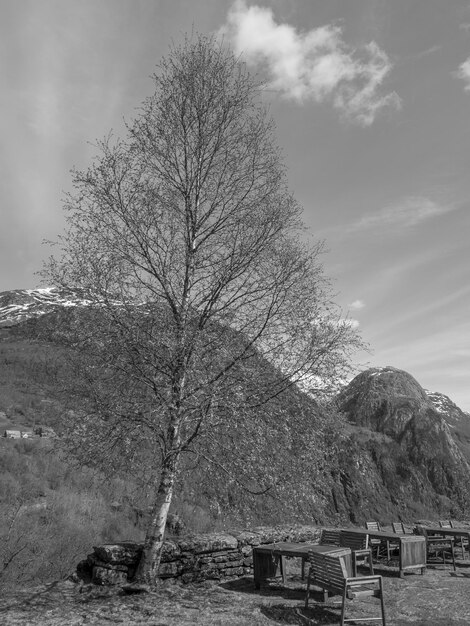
343 606
308 591
282 569
354 564
382 604
462 547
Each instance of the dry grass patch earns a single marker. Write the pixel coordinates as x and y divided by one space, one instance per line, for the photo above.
439 598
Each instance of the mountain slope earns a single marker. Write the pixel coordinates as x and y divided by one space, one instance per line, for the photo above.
457 420
401 453
409 442
22 304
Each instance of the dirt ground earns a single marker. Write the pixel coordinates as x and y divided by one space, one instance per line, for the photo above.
440 597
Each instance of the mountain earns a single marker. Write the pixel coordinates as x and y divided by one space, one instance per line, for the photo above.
413 444
397 451
22 304
457 420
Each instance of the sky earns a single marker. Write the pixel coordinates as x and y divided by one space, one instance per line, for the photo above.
371 100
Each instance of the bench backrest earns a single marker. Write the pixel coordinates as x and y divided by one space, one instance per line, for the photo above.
445 523
373 526
398 528
330 536
355 541
329 570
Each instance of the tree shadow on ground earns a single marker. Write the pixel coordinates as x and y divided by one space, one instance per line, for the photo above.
311 616
246 585
42 597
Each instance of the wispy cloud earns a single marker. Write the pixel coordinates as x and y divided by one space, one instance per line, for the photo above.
428 51
464 73
409 211
315 65
357 305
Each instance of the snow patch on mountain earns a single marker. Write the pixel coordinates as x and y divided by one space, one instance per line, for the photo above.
20 305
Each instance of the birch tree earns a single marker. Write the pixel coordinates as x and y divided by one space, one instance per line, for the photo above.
189 249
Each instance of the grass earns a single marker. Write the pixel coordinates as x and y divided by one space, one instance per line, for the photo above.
438 598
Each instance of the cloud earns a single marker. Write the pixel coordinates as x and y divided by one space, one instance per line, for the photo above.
315 65
428 51
410 211
357 305
464 73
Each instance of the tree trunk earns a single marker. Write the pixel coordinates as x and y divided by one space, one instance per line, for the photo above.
147 570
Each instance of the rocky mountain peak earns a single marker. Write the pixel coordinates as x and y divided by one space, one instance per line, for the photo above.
417 453
383 399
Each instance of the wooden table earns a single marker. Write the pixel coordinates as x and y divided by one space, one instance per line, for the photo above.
448 532
412 548
267 558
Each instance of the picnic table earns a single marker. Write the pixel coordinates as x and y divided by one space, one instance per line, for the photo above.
269 557
456 533
412 548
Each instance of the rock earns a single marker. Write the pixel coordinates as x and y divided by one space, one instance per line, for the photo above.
124 553
248 538
208 543
105 576
170 551
170 569
96 562
135 588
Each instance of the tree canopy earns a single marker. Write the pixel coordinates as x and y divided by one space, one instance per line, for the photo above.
207 296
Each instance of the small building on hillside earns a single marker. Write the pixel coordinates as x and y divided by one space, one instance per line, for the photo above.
12 434
18 434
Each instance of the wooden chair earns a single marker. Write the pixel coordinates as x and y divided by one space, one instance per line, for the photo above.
459 541
359 545
329 572
328 537
399 529
439 547
378 543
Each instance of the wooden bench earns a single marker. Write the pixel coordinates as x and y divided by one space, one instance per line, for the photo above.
330 536
359 545
329 572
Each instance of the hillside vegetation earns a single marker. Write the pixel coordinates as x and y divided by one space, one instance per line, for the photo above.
384 450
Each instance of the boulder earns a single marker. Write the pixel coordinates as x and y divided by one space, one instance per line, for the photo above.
124 553
105 576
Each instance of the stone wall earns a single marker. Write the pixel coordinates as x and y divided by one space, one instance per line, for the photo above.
215 556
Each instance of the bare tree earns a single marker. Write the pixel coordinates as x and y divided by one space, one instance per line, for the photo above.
188 242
